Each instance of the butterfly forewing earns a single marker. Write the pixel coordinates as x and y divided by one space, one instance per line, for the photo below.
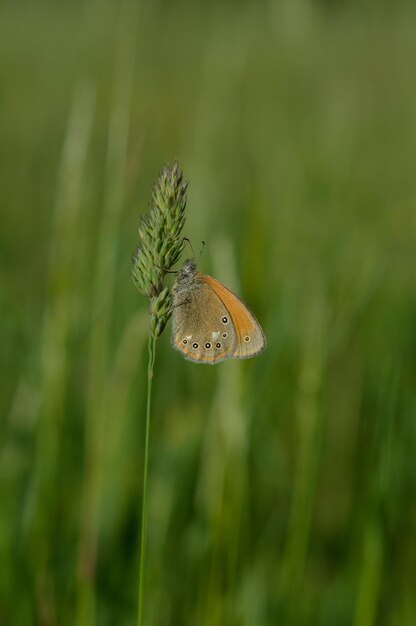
249 335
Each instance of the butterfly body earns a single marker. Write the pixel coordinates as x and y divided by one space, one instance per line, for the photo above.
209 322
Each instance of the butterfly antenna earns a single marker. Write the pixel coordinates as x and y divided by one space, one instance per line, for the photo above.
190 245
192 248
201 250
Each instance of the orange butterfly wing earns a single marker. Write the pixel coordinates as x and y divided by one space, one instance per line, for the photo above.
250 337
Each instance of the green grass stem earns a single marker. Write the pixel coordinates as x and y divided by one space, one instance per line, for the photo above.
143 530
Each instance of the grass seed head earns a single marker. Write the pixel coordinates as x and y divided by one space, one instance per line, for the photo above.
160 243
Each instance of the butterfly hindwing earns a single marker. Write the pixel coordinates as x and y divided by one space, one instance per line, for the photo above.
199 330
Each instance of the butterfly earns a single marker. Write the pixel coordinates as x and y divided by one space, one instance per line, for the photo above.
209 322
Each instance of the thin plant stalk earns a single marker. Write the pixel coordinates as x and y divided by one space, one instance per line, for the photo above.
143 532
160 246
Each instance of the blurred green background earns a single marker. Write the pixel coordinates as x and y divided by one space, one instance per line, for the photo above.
282 489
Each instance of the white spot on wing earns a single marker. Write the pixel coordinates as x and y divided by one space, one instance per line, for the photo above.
215 335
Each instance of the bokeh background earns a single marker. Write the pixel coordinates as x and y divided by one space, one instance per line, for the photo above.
282 489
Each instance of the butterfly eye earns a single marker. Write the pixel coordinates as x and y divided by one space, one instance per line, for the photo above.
218 345
195 345
246 338
207 345
224 320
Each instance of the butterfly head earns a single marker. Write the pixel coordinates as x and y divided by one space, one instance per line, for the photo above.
188 269
186 276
